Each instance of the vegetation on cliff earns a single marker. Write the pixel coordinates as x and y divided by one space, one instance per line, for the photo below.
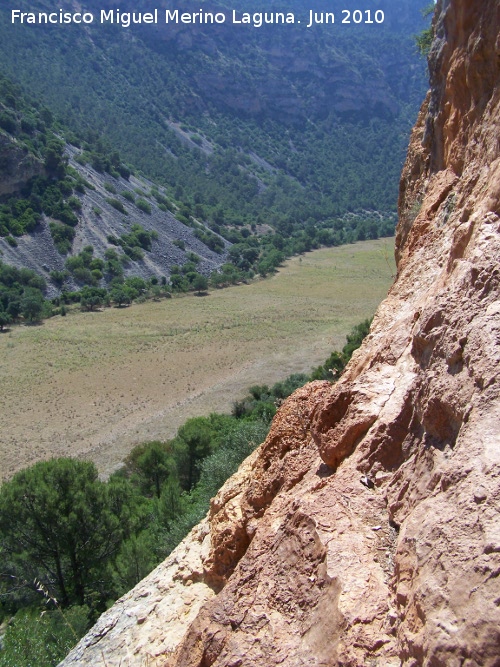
33 128
72 542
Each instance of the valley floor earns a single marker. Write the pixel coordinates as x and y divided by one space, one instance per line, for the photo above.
96 384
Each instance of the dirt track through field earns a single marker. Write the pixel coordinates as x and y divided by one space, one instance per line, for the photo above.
96 384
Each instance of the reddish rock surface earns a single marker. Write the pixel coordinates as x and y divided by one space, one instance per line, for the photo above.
384 549
366 530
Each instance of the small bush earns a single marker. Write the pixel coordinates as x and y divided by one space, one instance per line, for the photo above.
134 253
58 277
8 122
126 194
43 639
115 203
75 204
143 206
62 236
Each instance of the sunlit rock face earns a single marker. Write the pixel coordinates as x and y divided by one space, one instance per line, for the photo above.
365 530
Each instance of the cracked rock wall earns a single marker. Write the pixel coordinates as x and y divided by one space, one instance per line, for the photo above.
365 530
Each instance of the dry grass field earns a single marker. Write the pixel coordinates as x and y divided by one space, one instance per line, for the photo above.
95 384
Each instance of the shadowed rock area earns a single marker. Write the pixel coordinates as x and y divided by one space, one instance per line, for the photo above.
365 530
17 165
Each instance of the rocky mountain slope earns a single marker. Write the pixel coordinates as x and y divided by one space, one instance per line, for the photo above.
301 77
365 529
281 124
282 129
98 220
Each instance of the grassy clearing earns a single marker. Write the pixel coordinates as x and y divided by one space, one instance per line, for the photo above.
96 384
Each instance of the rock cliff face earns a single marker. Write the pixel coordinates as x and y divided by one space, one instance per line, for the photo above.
17 165
365 530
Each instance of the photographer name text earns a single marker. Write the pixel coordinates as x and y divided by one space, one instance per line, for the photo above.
176 16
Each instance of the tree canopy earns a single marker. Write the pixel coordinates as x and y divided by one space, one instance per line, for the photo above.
59 525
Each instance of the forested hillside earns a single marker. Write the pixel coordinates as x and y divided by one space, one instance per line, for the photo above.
77 216
279 126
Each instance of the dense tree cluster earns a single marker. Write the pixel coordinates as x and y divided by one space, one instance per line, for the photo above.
21 295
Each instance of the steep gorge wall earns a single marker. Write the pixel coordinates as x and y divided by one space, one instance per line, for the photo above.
365 530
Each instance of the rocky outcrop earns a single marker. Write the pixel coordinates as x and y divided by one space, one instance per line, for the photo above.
149 622
365 530
17 165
